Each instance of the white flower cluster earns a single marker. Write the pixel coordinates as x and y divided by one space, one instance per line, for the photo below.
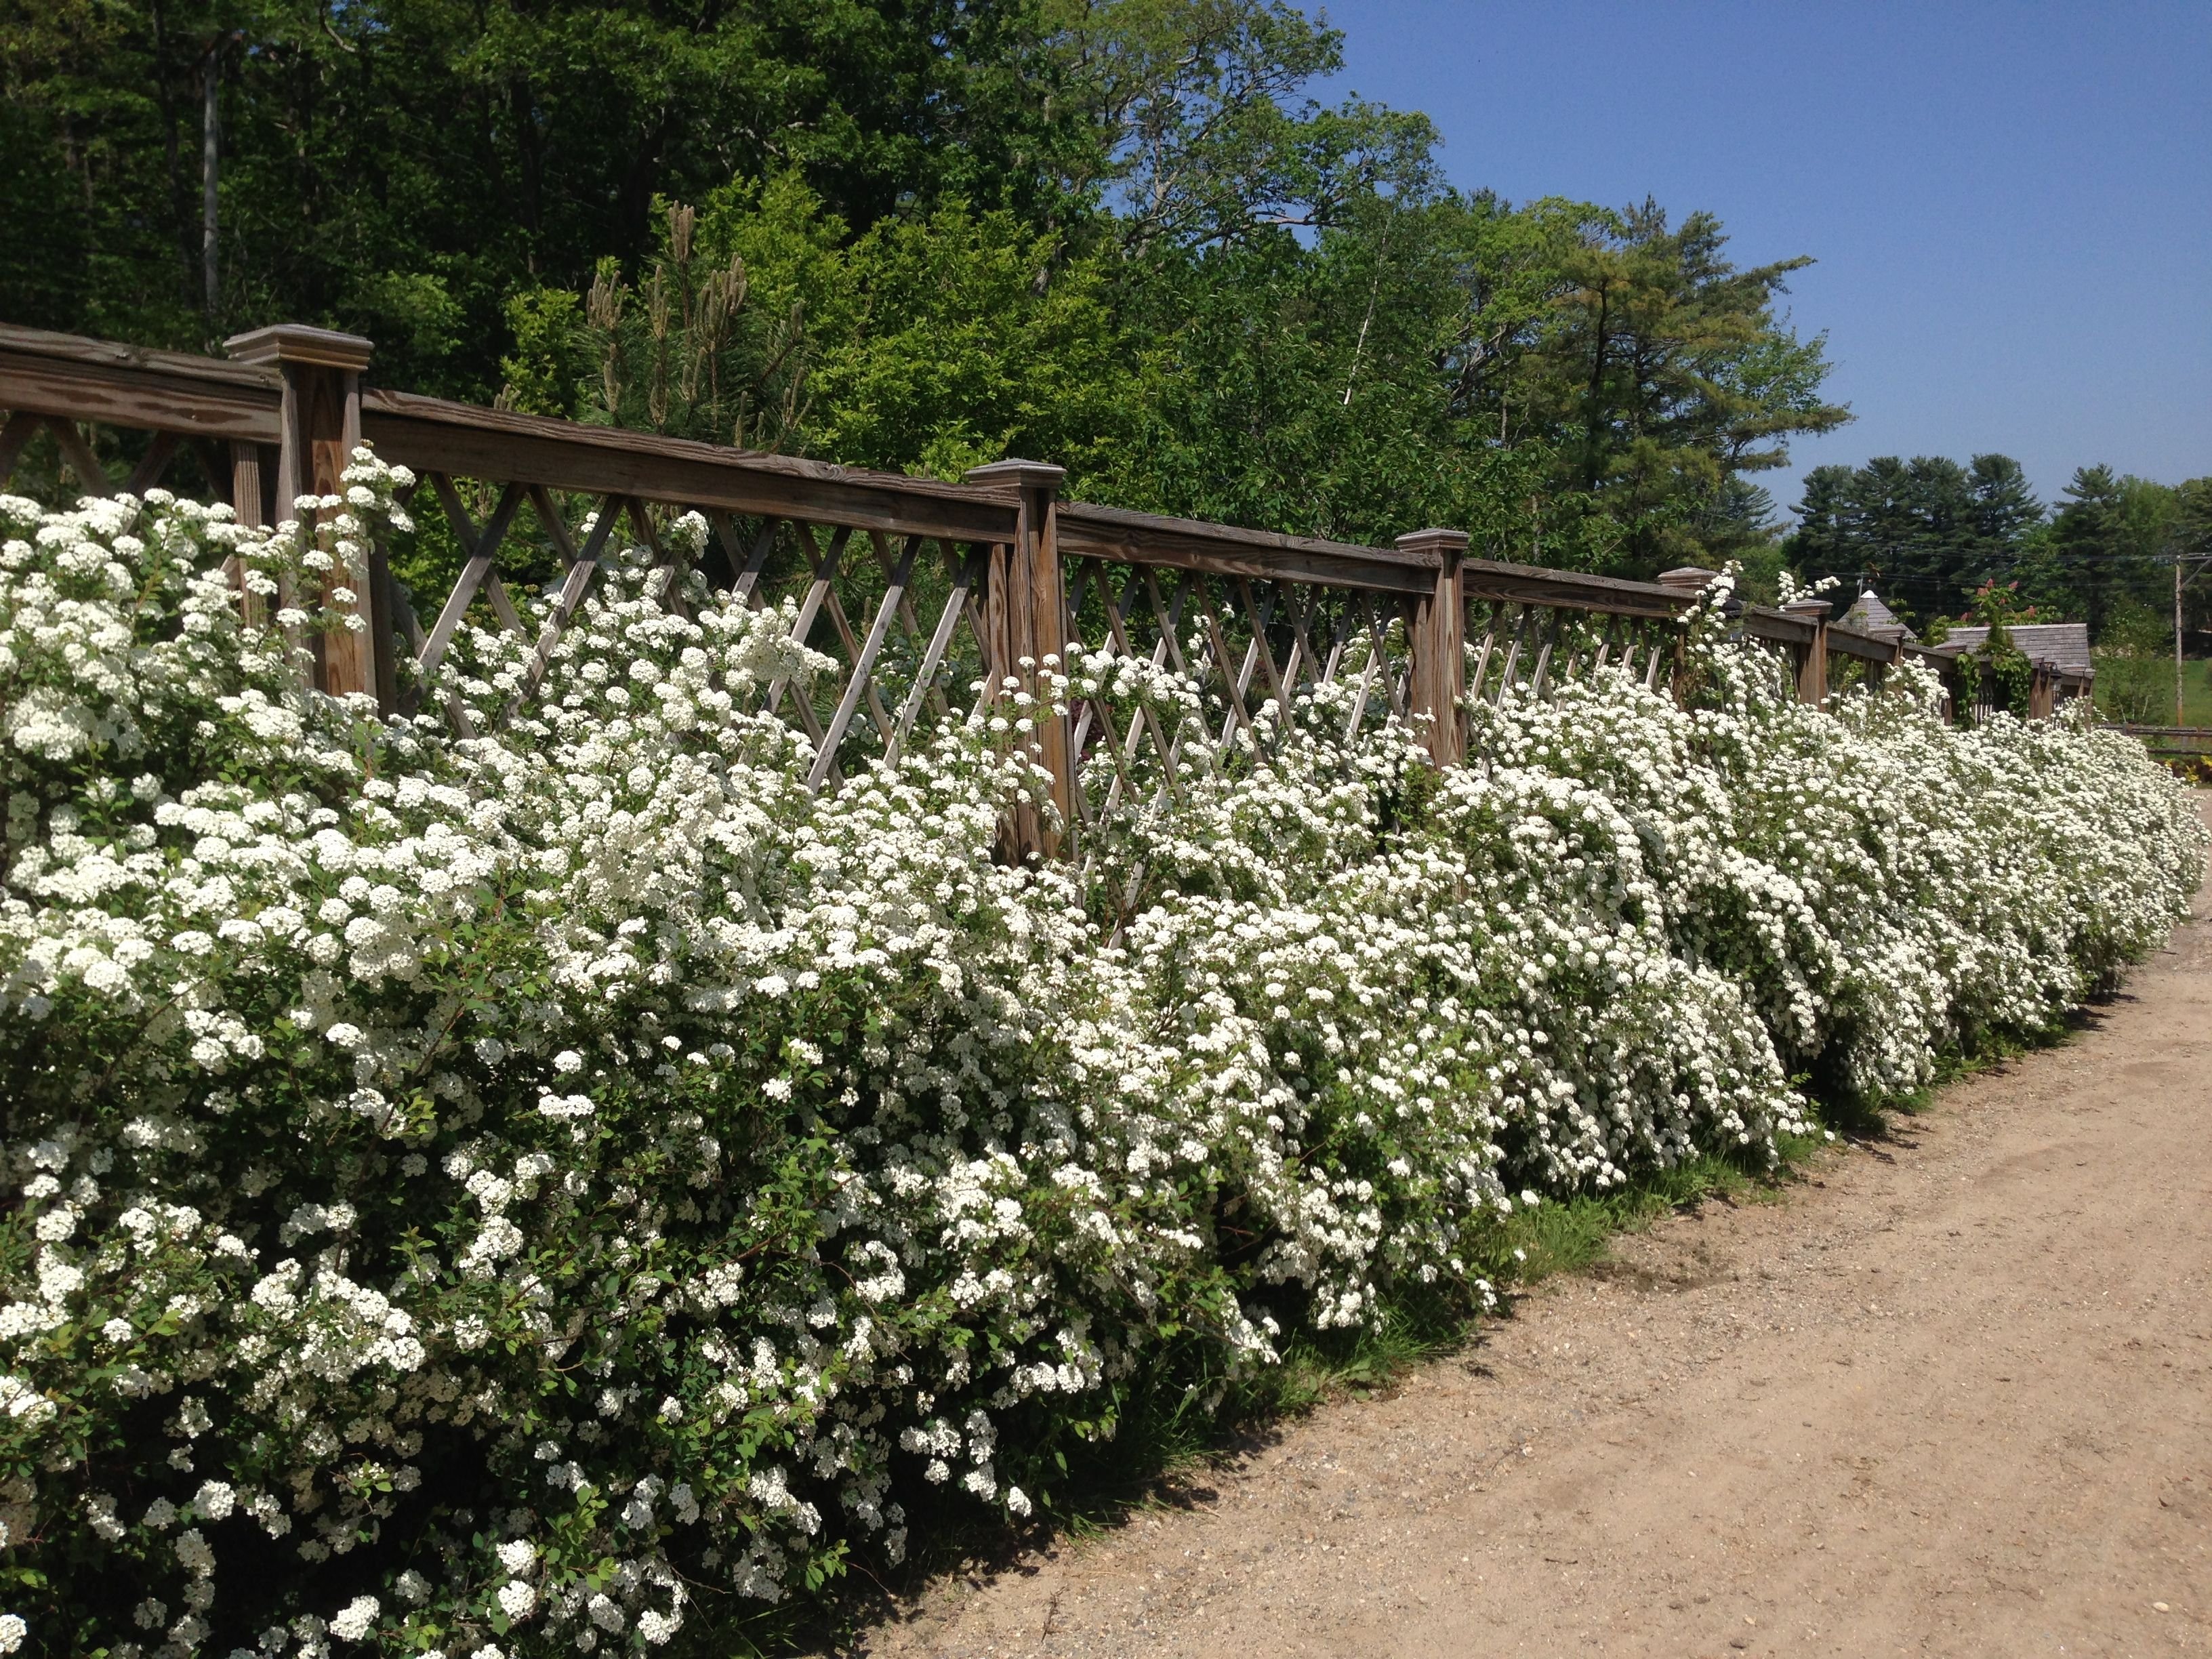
552 1189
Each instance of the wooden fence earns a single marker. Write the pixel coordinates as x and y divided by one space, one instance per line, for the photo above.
2172 743
917 589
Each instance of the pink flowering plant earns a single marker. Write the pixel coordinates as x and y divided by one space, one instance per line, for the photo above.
564 1188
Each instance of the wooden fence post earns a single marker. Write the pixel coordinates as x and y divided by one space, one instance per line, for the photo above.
2042 691
1813 658
1436 642
1955 712
249 504
1025 620
320 425
1893 635
1689 580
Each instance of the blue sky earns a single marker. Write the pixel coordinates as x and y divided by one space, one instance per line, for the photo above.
2011 205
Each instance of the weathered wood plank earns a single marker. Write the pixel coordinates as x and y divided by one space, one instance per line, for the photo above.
1776 626
1151 538
1567 590
501 446
1853 643
114 384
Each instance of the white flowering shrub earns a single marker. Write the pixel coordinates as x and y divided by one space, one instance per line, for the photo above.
559 1189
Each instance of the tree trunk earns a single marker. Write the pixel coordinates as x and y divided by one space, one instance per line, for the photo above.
1593 416
210 82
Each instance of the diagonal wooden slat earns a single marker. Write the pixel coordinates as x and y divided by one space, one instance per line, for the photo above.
574 586
1369 670
1257 614
1122 749
1512 654
503 607
1117 634
1239 717
1170 625
663 584
965 579
19 431
825 576
1302 657
908 621
648 533
1122 780
859 683
747 586
1347 626
728 536
1607 641
77 456
482 546
214 461
1167 614
1077 591
1475 681
848 640
551 520
1392 684
1567 640
152 465
1546 637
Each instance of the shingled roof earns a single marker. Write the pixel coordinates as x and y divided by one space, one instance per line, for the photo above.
2061 645
1868 613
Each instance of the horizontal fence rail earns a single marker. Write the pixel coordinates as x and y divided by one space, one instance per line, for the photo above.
924 595
2171 741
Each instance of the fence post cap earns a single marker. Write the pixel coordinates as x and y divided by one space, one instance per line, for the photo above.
297 343
1022 475
1443 543
1688 578
1814 608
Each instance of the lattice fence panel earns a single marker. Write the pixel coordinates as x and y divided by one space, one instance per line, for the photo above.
1254 648
1527 650
897 617
59 460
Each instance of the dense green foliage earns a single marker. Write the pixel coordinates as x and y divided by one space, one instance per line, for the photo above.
918 234
1929 533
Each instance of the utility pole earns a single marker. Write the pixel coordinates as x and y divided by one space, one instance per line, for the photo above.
2178 559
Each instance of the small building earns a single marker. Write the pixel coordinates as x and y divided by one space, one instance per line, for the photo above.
2061 646
2059 652
1870 615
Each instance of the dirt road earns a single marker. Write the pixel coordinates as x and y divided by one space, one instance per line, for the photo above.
1954 1396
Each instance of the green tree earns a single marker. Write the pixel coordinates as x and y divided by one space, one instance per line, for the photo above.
1927 533
2106 548
1199 135
449 157
1665 372
1115 233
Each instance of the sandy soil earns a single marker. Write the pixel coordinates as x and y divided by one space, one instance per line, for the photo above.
1952 1396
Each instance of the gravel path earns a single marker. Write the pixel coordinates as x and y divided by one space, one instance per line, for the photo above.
1952 1397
